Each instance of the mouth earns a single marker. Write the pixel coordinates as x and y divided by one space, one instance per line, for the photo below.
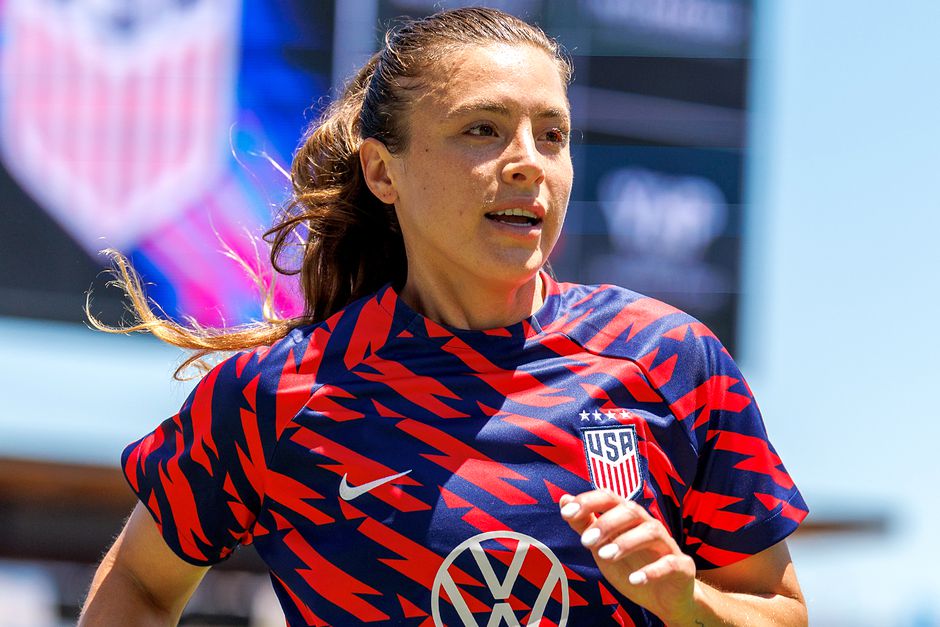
515 216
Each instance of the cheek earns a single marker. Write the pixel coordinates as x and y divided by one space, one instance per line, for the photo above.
566 175
561 191
449 178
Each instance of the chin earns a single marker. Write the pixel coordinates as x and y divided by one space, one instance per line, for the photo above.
516 272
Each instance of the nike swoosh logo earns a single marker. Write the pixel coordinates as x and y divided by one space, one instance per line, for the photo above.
348 492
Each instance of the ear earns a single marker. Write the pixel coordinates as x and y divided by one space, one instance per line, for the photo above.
376 160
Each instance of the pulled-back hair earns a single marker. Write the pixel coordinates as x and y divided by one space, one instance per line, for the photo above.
340 238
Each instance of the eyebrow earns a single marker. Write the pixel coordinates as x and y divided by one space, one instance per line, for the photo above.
493 106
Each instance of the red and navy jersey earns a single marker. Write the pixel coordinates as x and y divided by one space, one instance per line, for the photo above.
391 470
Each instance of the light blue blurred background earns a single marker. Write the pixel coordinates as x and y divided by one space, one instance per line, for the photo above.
839 307
841 289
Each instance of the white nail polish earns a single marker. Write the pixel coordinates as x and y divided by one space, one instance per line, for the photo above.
570 510
638 578
608 551
589 537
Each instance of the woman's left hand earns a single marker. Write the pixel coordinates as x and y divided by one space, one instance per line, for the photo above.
635 552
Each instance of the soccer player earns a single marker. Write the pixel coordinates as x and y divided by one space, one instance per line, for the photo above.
449 436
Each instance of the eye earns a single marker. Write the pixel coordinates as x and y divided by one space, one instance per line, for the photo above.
483 129
557 136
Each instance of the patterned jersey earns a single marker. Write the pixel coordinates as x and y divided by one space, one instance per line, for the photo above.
390 470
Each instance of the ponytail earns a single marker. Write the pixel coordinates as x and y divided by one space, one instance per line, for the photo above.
342 240
350 241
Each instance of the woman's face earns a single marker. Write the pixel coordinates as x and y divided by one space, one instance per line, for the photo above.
482 186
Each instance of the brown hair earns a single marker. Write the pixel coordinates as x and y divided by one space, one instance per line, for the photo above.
347 242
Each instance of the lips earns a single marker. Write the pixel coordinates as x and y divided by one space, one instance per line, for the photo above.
527 215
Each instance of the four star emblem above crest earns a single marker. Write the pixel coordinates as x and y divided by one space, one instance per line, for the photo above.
598 416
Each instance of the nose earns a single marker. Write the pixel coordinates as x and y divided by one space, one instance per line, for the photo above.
523 165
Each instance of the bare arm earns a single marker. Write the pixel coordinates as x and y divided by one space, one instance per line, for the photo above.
638 556
759 590
140 581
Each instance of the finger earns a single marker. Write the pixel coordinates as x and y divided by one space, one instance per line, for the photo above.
649 536
663 568
579 510
599 501
621 519
582 511
577 517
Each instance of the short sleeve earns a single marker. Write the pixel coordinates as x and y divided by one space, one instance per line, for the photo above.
742 499
201 472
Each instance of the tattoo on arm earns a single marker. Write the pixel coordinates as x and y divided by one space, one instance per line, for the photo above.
698 622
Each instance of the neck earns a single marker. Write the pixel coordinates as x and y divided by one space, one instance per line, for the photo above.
479 306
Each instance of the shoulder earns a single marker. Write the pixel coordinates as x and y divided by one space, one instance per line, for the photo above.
678 353
612 320
274 381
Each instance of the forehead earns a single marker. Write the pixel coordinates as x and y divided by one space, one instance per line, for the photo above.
493 76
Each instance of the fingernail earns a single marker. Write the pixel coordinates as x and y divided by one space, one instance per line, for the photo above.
589 537
637 578
608 551
570 510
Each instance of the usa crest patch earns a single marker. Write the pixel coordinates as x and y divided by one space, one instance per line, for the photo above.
613 459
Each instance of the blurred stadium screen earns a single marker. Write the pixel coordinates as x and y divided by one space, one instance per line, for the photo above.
112 138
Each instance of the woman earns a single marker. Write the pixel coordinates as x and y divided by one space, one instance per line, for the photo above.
449 436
